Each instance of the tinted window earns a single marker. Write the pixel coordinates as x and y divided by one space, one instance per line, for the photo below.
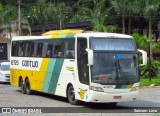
15 48
59 48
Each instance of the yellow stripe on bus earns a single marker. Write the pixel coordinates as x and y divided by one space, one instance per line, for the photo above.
42 74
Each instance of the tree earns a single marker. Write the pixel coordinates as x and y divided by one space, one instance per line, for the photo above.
150 11
98 14
62 11
120 7
37 14
142 41
8 14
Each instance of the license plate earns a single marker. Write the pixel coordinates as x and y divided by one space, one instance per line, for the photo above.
117 97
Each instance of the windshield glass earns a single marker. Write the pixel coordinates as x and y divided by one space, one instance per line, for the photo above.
5 67
115 68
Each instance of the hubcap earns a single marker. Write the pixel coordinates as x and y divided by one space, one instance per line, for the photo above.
72 95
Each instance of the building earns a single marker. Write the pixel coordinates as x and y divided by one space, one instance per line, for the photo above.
5 45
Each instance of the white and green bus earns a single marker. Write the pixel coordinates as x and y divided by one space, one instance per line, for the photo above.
81 66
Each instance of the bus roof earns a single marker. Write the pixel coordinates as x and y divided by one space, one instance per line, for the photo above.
70 33
103 34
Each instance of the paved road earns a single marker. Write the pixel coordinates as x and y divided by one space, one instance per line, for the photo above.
12 97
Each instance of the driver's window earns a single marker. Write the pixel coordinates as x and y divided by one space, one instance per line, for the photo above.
82 59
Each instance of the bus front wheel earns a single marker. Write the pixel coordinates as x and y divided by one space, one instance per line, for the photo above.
28 89
71 96
22 86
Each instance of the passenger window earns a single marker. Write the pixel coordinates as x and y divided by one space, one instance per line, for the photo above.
15 46
34 53
27 49
69 48
49 50
39 50
58 49
44 51
21 48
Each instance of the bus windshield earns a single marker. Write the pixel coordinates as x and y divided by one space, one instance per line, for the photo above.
115 68
115 61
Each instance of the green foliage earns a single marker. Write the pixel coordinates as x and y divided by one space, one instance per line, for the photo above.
142 41
110 29
155 45
98 14
155 69
8 13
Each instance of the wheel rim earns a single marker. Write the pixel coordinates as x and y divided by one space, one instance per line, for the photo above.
72 95
27 87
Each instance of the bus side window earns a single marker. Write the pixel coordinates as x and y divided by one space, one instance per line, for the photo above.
44 50
21 48
31 49
34 52
69 48
58 48
26 53
15 46
39 50
49 50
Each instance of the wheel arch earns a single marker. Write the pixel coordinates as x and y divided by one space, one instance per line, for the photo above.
26 78
19 83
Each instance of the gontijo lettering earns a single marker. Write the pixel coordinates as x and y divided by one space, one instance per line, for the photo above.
28 63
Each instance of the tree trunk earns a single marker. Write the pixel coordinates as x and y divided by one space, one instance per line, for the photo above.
9 29
60 19
129 25
150 39
123 24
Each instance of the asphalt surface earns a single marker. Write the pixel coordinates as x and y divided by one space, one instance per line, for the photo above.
10 96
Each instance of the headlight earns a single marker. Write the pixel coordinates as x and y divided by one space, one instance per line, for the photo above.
99 89
135 88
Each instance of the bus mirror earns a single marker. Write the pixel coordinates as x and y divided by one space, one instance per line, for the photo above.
144 57
90 56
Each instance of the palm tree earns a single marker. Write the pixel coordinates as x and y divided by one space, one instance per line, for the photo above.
61 11
150 12
98 14
120 7
37 14
79 12
132 9
51 14
8 14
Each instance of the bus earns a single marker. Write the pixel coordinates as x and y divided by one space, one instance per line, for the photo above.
84 66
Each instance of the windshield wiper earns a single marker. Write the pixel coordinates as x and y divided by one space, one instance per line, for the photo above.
119 69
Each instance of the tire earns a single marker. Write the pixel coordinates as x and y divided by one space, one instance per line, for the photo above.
71 96
28 90
22 86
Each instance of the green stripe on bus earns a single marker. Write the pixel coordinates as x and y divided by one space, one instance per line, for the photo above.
121 86
55 76
70 35
65 36
48 76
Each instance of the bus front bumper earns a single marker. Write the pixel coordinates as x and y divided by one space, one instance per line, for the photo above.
101 97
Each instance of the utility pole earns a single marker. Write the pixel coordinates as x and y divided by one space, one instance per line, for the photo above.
19 17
